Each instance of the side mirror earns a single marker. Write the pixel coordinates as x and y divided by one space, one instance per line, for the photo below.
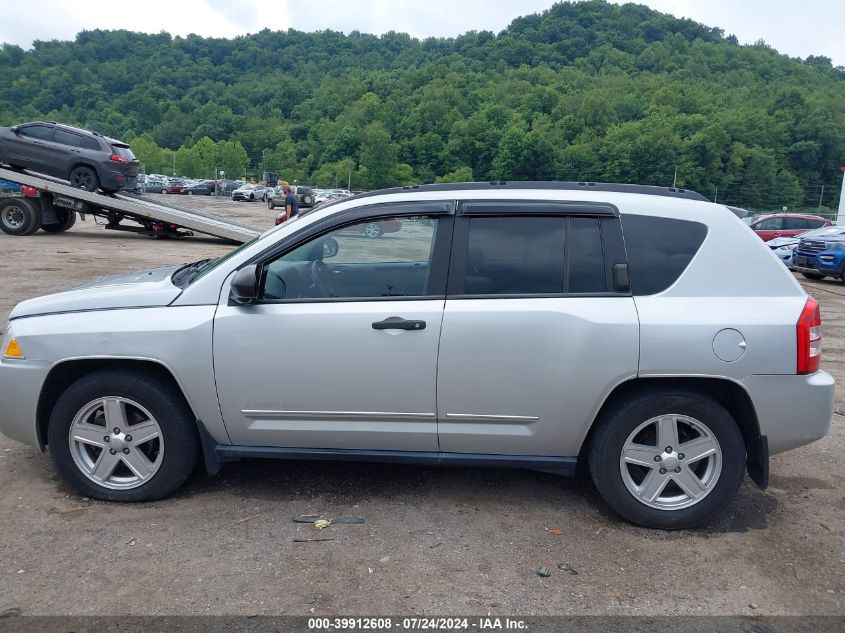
244 287
330 247
14 129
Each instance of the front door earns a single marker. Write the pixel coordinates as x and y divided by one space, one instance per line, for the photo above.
535 332
340 352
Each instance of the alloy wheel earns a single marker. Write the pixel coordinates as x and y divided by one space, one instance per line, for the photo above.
671 462
116 443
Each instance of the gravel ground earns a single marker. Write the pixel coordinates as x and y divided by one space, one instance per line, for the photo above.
435 541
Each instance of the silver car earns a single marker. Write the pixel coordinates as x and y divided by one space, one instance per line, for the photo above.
528 325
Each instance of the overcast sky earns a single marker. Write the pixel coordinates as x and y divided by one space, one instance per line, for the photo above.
799 29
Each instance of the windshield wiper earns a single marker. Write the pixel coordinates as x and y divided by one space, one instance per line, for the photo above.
185 275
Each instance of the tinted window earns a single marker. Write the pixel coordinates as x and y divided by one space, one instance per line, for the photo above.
68 138
41 132
90 143
515 255
123 152
586 259
659 250
815 224
388 257
796 224
772 224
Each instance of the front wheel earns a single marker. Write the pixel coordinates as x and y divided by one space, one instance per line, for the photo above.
120 435
813 276
667 460
84 178
190 193
271 204
19 216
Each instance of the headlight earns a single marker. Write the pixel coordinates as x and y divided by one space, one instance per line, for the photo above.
832 244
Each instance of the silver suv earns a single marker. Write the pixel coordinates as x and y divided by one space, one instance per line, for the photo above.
529 325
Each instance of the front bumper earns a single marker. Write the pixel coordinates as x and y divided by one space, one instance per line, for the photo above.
792 410
20 388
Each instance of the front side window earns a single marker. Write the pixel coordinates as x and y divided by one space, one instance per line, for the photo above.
378 258
40 132
772 224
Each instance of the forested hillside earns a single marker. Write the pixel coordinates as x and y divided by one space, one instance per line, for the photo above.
585 91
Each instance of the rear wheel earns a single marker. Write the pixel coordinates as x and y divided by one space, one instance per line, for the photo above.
190 193
667 460
123 436
67 219
813 276
19 216
270 203
84 178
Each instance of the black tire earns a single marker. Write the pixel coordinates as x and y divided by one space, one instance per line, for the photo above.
84 178
164 191
813 276
67 219
190 193
163 400
270 203
19 216
605 450
252 197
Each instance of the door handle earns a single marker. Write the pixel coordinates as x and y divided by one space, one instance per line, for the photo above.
398 323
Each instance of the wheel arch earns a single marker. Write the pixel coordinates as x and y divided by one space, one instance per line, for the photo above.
66 372
729 393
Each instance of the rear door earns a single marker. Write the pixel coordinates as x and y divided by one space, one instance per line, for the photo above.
67 148
536 330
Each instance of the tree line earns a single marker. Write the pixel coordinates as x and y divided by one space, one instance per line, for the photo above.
582 91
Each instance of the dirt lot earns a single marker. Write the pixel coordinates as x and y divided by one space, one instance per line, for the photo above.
435 541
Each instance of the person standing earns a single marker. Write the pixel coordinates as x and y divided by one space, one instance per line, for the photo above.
291 204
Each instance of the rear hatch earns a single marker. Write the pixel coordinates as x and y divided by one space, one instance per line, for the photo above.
123 158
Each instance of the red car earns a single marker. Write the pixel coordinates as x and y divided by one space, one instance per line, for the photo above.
175 187
768 227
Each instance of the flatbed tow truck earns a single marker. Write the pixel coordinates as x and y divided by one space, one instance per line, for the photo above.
52 205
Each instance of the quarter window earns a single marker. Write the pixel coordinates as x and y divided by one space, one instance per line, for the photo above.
384 257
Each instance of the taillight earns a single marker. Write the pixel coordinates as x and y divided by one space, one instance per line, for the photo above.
808 331
29 192
118 159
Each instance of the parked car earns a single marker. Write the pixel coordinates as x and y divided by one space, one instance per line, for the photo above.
821 254
559 338
783 247
304 195
174 186
88 160
244 192
786 224
199 189
153 185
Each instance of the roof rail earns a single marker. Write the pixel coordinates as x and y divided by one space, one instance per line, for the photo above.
650 190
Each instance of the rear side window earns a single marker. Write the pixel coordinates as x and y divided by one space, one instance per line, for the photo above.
815 224
68 138
90 143
534 255
797 224
515 255
659 250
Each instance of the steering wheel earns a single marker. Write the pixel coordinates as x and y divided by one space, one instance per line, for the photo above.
318 278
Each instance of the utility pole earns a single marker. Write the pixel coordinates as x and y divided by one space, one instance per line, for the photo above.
716 197
821 195
349 183
174 163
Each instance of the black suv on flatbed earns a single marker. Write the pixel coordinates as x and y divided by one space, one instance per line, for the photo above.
88 160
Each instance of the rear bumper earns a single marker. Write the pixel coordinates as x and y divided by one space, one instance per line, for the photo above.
118 180
20 389
792 410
